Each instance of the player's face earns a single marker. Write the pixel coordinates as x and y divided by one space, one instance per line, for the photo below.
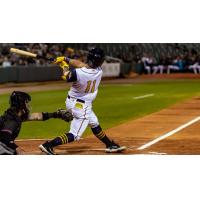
25 111
28 106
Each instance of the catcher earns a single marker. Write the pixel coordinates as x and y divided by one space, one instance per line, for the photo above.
19 111
85 78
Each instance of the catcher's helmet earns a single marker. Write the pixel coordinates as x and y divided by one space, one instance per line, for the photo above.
19 100
95 57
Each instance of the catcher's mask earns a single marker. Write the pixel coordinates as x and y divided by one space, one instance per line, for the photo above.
95 57
20 101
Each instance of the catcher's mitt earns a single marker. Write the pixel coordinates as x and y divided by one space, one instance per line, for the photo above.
64 114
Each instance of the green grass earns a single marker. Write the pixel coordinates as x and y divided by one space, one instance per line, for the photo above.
114 104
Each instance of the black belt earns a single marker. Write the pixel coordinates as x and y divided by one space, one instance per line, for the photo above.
79 100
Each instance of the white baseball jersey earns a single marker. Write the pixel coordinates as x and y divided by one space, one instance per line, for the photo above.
86 85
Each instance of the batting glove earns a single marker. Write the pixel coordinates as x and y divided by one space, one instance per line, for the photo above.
64 65
59 60
65 68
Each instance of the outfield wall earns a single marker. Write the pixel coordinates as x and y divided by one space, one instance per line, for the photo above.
21 74
29 74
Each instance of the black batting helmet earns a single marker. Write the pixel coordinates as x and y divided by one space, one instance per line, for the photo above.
95 57
20 100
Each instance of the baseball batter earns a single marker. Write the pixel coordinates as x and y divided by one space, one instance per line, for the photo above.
86 78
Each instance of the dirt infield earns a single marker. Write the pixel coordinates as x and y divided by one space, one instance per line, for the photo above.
136 133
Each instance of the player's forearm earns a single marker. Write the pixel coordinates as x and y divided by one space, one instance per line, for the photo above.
63 61
35 117
75 63
61 114
41 116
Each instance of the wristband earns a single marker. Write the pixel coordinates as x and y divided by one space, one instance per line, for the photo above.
47 115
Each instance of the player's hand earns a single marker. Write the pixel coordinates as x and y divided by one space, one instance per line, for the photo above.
59 60
64 65
65 68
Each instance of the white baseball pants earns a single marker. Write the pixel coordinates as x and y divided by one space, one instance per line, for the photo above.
83 116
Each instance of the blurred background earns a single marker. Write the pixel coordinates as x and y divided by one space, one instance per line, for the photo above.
124 60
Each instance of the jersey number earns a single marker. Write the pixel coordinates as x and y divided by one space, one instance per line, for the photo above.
89 88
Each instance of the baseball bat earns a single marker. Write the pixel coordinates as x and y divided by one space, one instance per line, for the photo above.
29 54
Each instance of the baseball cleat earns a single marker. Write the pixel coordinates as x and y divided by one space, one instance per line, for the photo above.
114 148
46 148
